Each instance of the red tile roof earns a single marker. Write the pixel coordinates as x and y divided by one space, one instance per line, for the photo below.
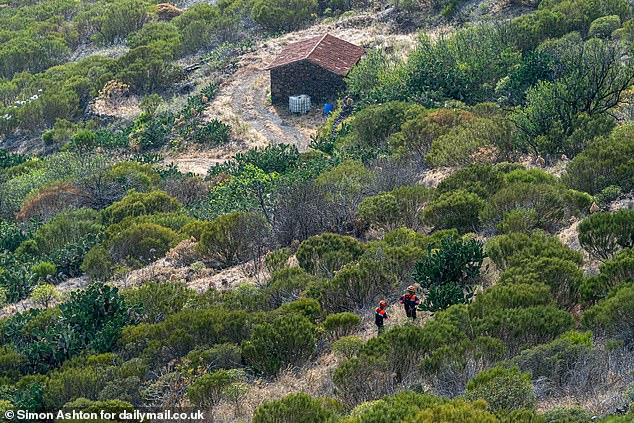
327 51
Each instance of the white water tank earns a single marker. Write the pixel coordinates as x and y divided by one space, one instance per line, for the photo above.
299 104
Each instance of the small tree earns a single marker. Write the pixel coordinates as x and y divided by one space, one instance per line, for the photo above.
45 295
235 238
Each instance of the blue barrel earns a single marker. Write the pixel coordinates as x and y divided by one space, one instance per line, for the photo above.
328 108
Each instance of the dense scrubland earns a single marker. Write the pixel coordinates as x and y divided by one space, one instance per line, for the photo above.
526 119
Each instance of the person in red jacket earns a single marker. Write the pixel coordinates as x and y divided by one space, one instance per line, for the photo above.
380 315
410 301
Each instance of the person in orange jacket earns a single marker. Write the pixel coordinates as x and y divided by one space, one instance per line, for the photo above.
410 301
380 315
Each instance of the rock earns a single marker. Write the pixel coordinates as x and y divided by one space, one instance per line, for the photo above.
594 208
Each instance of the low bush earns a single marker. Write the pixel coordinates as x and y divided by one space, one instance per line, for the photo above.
605 162
298 407
521 328
287 341
98 264
481 179
234 238
141 244
400 207
207 390
564 277
456 411
347 347
560 363
604 26
289 284
504 389
515 248
341 324
567 415
455 209
547 201
518 220
613 317
519 295
139 204
156 300
602 234
283 15
324 254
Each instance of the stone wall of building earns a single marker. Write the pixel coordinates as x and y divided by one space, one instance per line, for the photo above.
305 78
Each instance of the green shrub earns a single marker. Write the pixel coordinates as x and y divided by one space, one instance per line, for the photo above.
289 284
558 360
45 295
380 270
524 327
605 162
277 260
286 341
369 130
134 175
283 15
602 234
394 408
481 179
618 269
462 143
297 407
142 244
547 201
139 204
347 347
45 270
324 254
234 238
207 390
400 207
212 133
449 271
613 317
221 356
567 415
98 264
503 389
89 320
562 276
341 324
66 227
604 26
455 209
518 220
518 295
157 300
608 194
307 307
515 248
456 411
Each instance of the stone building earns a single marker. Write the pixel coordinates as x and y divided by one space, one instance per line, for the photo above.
315 67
